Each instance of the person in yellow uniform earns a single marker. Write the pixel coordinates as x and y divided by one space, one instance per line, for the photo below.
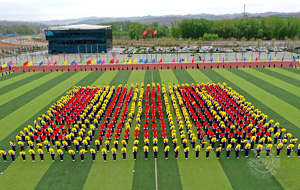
116 143
82 152
166 140
167 149
97 143
155 150
219 149
146 151
114 153
237 151
32 153
197 150
41 153
52 154
186 152
61 154
279 148
104 153
134 149
93 152
72 153
228 150
174 142
268 150
258 149
208 149
13 145
290 148
107 143
12 154
22 153
176 151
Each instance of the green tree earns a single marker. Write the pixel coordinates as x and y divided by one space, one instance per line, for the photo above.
136 30
175 31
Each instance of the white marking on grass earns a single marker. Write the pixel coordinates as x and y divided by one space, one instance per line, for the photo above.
156 184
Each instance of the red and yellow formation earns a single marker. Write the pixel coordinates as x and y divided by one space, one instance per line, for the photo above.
211 116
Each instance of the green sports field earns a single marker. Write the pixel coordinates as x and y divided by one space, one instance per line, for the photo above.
26 96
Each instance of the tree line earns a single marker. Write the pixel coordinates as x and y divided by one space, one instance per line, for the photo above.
273 27
21 30
267 28
135 29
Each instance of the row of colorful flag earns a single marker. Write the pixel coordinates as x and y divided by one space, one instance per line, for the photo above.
149 32
101 62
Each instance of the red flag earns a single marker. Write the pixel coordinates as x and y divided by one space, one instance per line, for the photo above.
155 32
193 60
145 32
150 31
160 61
223 59
55 63
89 62
256 59
26 63
111 61
282 58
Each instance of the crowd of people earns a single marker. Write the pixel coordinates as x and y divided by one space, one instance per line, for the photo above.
188 117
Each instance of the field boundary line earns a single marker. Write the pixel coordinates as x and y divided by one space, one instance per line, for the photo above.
156 184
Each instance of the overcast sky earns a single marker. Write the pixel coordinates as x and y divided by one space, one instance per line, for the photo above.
33 10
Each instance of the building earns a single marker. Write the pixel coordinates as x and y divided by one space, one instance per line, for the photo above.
79 39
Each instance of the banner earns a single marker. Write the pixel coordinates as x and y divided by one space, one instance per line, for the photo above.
41 63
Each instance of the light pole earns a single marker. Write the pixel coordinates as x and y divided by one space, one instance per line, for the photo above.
97 52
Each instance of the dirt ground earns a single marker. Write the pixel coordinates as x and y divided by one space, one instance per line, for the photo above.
8 46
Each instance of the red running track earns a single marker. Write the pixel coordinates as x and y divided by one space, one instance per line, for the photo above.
151 66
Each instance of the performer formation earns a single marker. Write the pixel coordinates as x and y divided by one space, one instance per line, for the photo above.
174 121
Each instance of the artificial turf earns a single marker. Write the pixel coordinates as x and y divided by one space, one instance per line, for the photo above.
276 98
